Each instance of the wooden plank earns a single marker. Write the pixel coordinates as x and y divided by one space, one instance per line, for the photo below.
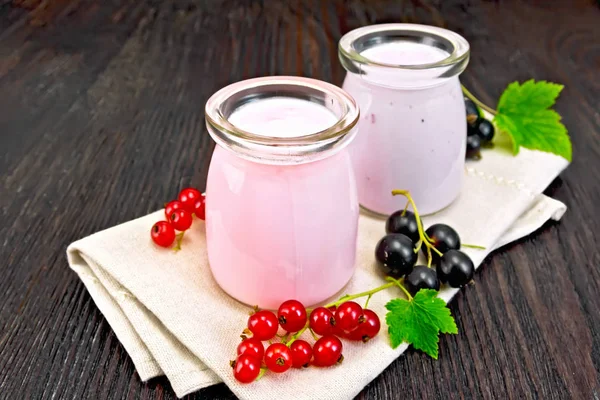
101 120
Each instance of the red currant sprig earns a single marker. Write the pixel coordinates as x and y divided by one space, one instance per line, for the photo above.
359 324
179 217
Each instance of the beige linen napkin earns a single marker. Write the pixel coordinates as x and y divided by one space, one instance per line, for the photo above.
173 319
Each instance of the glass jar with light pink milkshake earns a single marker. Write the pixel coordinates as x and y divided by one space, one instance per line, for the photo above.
282 207
412 131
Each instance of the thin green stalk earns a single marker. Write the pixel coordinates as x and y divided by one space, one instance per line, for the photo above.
429 258
179 239
477 101
424 238
296 335
359 295
261 373
284 338
405 208
367 301
400 285
472 246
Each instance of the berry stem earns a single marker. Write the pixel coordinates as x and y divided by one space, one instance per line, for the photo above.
361 294
405 208
296 335
425 239
284 338
313 334
429 258
179 239
477 101
261 373
367 301
472 246
400 285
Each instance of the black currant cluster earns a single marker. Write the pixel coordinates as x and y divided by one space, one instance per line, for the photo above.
480 131
396 254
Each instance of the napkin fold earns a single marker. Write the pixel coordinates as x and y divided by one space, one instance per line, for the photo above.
173 319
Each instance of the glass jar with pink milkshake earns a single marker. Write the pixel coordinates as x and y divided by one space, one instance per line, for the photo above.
412 130
282 207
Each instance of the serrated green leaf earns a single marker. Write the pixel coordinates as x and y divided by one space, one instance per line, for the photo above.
540 130
419 321
398 317
438 312
428 338
523 113
531 95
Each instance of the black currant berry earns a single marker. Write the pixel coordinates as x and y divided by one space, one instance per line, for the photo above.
473 129
444 238
456 268
421 277
403 222
473 147
472 110
395 254
485 130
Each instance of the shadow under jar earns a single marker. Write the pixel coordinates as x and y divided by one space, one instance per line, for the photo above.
404 78
281 204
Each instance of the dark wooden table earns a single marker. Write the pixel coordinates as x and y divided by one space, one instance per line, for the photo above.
101 120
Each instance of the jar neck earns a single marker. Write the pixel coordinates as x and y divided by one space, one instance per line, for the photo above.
404 56
391 82
288 143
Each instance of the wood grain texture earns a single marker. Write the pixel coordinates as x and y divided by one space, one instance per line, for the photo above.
101 120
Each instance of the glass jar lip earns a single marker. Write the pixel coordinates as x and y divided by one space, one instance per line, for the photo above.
431 35
280 149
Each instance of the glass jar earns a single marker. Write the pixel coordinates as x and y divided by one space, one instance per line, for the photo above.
413 128
281 203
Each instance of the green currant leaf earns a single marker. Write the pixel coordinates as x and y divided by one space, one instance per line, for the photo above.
419 321
524 114
435 308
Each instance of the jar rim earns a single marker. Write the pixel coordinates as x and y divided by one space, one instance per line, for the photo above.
279 149
453 43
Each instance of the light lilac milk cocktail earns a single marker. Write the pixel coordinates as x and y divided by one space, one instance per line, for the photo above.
412 130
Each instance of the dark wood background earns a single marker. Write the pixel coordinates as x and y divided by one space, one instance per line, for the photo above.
101 121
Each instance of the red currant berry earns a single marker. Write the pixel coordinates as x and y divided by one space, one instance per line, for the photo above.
278 358
263 325
322 321
200 207
301 353
348 316
181 220
246 368
171 207
188 198
291 315
338 332
252 347
327 351
368 329
163 233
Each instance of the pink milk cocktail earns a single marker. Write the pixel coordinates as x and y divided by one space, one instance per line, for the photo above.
282 207
404 78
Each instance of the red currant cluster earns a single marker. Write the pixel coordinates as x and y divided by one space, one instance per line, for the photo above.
179 214
347 320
